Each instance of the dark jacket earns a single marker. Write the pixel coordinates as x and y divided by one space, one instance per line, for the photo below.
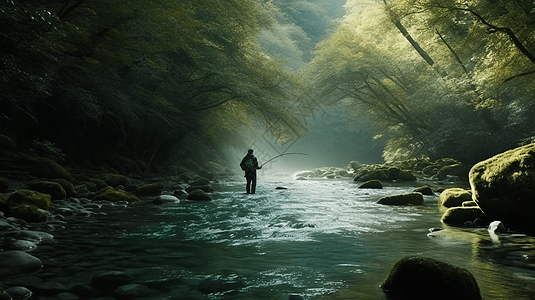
249 164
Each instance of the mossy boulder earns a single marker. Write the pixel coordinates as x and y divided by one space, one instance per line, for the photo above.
200 182
452 170
372 184
69 188
113 195
459 215
454 197
198 195
46 168
151 189
54 189
115 180
403 199
4 184
29 197
29 213
469 204
417 277
504 187
371 173
425 190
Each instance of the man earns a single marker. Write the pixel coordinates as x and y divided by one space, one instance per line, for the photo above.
249 164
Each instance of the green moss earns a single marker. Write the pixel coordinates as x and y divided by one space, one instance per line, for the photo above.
150 189
454 197
112 195
30 197
29 213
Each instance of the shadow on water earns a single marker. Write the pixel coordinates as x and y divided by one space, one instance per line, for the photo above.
323 239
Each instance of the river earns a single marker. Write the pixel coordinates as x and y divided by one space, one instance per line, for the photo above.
317 239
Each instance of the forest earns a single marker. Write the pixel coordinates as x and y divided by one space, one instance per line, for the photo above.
127 83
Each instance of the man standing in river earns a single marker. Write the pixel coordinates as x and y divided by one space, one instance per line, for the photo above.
249 164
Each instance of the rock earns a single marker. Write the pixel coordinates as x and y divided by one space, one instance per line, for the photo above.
460 215
469 204
372 184
165 199
404 199
49 288
30 235
30 197
18 293
497 226
366 174
425 190
133 291
46 168
198 195
503 186
456 170
111 279
66 296
355 165
454 197
22 245
115 180
4 184
151 189
406 176
180 194
393 173
54 189
15 262
425 278
205 188
112 195
281 188
29 213
69 188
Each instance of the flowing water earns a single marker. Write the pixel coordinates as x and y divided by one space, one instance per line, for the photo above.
319 239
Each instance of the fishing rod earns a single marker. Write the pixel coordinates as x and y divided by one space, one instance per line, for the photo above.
280 156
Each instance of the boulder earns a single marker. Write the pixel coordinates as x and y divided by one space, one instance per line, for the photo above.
200 182
4 184
366 174
454 197
69 188
405 175
504 187
46 168
198 195
54 189
115 180
372 184
426 278
165 199
29 213
16 262
151 189
425 190
451 170
18 292
469 204
403 199
30 197
113 195
205 188
461 215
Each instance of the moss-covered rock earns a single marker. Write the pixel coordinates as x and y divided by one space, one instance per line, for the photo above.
372 184
454 197
69 188
469 204
403 199
46 168
405 175
29 197
115 180
4 184
29 213
504 187
198 195
54 189
200 182
425 278
425 190
113 195
460 215
452 170
151 189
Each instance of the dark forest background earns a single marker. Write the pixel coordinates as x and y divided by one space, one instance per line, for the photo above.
167 82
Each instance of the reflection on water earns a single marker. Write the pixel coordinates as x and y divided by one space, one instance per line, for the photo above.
317 239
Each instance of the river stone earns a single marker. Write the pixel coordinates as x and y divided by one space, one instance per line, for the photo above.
372 184
4 295
425 190
151 189
403 199
113 195
111 279
69 188
504 187
30 197
15 261
198 195
131 291
50 288
5 226
19 293
454 197
54 189
22 245
469 203
115 180
426 278
165 199
31 235
460 215
205 188
29 213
